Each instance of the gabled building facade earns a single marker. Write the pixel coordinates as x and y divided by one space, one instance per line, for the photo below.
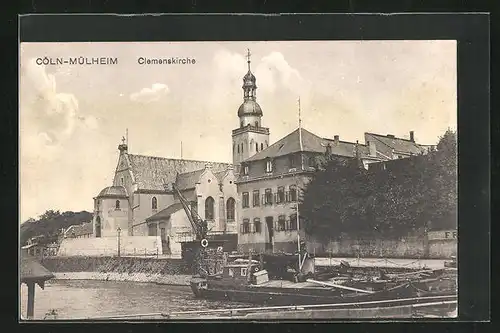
212 195
138 191
271 181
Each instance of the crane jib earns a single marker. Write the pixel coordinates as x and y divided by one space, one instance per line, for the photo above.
197 223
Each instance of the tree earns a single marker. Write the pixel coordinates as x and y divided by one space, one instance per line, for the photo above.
320 205
49 224
413 194
445 160
49 215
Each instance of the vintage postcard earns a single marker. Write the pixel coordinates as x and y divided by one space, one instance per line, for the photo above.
238 180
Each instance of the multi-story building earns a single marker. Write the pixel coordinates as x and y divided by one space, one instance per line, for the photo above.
270 182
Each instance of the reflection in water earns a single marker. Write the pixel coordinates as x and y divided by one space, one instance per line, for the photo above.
87 299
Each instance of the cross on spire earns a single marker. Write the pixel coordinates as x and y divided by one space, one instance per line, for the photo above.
248 58
123 139
300 119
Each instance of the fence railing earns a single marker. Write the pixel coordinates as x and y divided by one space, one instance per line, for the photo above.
125 252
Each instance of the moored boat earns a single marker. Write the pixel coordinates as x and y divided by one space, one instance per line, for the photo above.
248 281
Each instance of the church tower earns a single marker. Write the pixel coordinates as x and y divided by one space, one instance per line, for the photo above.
250 138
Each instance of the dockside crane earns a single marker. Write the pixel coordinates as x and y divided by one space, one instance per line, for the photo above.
198 246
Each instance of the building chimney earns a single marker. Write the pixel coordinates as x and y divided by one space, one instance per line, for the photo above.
336 139
373 148
412 136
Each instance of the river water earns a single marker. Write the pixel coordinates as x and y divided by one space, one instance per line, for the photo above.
86 299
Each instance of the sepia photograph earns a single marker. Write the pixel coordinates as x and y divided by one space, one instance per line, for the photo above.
238 180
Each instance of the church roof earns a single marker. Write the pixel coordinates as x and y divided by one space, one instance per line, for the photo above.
310 143
188 180
398 144
114 192
151 173
165 213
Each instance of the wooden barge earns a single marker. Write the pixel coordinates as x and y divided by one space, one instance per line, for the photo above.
248 281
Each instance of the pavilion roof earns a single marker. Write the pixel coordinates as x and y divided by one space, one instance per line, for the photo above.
33 271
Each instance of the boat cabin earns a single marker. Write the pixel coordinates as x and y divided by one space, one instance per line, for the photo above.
244 271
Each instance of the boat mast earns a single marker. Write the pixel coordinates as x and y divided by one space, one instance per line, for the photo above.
297 196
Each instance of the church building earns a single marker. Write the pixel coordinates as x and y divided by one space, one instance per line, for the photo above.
254 197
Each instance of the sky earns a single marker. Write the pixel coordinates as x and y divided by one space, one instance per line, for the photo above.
73 117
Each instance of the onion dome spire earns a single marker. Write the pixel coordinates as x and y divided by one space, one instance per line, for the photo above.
249 106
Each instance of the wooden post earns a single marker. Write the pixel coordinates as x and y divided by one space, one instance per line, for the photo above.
249 267
119 231
31 300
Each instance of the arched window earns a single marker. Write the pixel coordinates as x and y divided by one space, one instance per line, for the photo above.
117 204
154 203
256 124
230 205
241 147
209 208
238 148
256 147
261 146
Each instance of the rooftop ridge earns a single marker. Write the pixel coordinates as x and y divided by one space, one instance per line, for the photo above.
272 145
395 137
177 159
190 172
342 141
280 141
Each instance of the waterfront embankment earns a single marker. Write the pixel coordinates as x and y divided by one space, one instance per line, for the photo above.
170 271
175 280
132 269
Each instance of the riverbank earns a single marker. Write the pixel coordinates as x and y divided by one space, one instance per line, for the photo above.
173 280
130 269
170 271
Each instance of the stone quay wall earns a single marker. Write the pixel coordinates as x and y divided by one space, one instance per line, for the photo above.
134 269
